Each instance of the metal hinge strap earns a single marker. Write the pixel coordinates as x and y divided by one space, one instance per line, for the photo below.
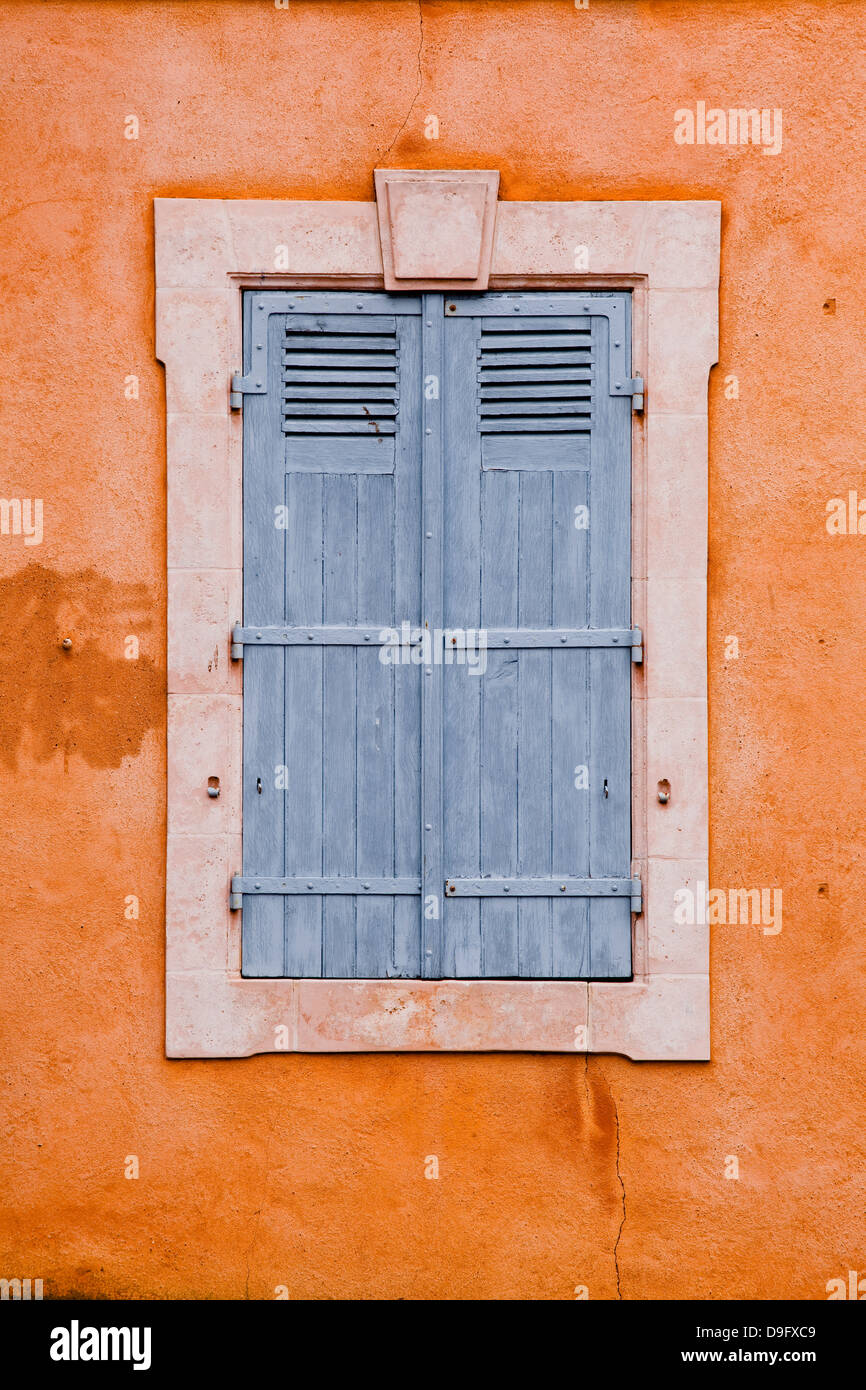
257 885
546 888
254 385
537 637
515 638
304 637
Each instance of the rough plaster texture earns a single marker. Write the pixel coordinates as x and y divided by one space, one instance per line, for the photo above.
308 1170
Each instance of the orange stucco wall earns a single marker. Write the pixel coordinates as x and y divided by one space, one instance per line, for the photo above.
309 1171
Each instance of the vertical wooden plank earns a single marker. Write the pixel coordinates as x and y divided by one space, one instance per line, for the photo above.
571 541
570 733
610 815
262 950
609 670
461 758
304 720
570 740
499 585
432 511
534 812
340 521
408 911
374 830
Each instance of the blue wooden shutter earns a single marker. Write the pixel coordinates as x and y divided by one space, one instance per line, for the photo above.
426 461
331 880
536 428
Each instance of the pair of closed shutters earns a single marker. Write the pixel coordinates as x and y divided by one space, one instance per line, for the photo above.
436 636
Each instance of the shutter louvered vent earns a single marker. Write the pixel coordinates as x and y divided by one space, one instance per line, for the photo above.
340 378
535 384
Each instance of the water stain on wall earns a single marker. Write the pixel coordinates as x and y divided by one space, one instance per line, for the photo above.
66 681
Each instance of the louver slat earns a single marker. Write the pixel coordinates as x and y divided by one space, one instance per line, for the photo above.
553 391
520 407
330 341
522 342
340 379
534 424
546 373
299 358
308 409
535 390
312 391
552 357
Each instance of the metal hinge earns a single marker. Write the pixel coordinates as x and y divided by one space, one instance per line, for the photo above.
636 645
245 386
637 389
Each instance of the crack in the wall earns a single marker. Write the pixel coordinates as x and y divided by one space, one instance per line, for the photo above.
417 89
619 1176
622 1188
257 1213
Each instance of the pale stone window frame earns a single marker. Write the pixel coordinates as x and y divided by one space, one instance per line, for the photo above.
207 252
